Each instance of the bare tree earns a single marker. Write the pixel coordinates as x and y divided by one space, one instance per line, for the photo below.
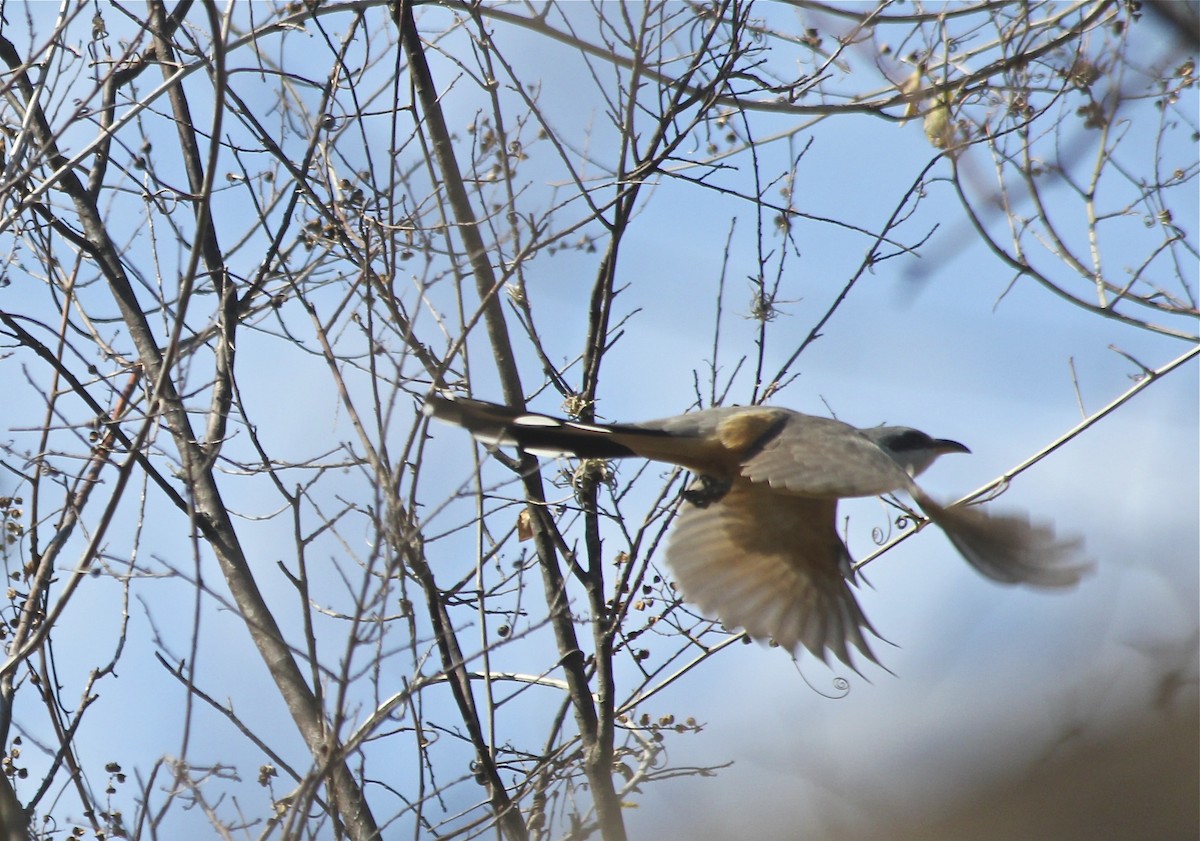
243 242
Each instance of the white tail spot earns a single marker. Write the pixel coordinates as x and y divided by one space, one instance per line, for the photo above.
548 452
491 437
535 420
586 427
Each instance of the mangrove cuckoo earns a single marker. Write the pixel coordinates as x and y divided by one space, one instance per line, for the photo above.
756 540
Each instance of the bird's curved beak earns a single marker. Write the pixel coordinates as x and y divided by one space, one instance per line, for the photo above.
945 445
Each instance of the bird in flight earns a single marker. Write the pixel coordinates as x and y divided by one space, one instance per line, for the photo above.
756 540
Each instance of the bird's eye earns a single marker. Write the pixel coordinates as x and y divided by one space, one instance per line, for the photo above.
910 439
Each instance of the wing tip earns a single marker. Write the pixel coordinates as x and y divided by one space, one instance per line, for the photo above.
1010 548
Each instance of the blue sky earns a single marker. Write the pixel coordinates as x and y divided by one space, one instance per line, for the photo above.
985 676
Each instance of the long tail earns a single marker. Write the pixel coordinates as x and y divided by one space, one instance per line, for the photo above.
1009 548
541 435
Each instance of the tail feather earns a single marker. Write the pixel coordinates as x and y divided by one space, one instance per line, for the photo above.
1009 548
537 434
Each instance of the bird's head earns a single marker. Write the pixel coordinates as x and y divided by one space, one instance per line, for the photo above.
910 448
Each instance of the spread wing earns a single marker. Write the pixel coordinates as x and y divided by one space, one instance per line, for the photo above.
1010 548
772 564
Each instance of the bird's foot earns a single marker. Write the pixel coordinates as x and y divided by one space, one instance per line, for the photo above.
705 490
